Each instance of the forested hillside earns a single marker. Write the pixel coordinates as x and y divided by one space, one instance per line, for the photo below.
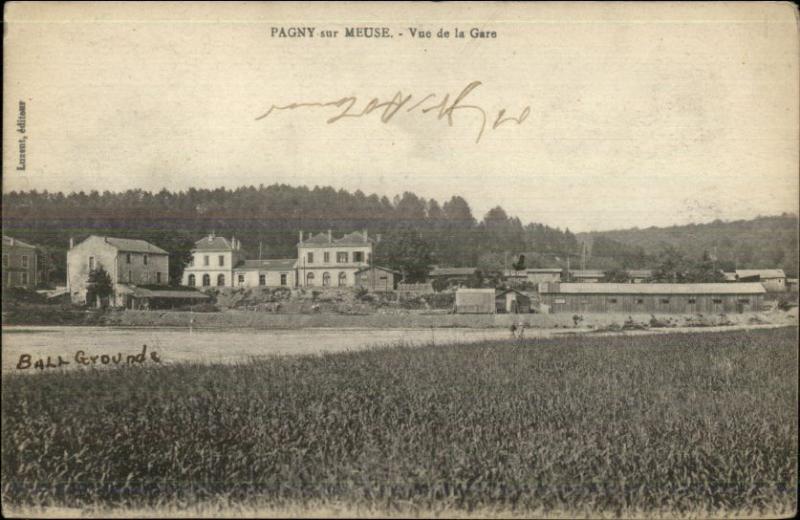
411 227
415 232
764 242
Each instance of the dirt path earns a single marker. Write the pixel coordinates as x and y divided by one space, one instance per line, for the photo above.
77 345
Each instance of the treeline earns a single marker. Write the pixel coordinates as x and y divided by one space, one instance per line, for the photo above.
440 233
763 242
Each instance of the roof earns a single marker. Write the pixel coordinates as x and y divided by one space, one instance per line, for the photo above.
7 242
640 273
763 273
453 271
729 277
513 272
379 268
545 270
132 245
658 288
283 264
165 293
587 273
356 238
213 243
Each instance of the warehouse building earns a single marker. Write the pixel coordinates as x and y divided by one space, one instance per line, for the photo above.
672 298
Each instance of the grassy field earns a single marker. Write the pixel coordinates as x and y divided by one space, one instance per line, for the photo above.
699 424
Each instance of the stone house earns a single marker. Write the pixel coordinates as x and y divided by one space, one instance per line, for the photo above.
129 262
23 264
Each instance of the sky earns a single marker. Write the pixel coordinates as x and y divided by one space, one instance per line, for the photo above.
643 115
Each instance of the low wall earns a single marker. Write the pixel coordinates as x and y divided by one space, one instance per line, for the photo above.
234 318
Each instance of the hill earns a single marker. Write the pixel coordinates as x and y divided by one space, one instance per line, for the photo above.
763 242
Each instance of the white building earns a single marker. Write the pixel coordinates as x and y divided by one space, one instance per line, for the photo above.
325 261
213 261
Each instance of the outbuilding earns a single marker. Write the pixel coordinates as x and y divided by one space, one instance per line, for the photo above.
512 301
475 301
673 298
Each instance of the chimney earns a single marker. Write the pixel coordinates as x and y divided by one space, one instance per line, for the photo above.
365 234
71 242
330 237
12 241
301 236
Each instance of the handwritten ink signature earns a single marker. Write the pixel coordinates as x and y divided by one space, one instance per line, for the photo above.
443 109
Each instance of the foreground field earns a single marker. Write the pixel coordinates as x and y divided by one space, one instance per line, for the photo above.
699 424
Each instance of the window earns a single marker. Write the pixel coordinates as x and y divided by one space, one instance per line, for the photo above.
382 277
612 300
144 258
24 278
262 279
206 280
241 279
191 261
692 301
326 279
283 279
640 301
342 279
221 260
127 258
191 280
560 300
341 257
91 263
664 300
310 258
220 280
744 300
25 261
310 278
717 300
206 260
5 260
326 257
358 256
158 278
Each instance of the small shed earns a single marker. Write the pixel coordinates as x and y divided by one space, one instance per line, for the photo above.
375 278
512 302
475 301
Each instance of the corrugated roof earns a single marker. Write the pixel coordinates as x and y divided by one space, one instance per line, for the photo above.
213 243
658 288
133 245
763 273
7 242
282 264
453 271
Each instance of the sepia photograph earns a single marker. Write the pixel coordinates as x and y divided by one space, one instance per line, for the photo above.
400 260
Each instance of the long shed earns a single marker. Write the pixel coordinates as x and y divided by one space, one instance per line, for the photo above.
475 301
678 298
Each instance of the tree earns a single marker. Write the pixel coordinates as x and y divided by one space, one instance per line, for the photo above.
99 286
405 250
519 265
